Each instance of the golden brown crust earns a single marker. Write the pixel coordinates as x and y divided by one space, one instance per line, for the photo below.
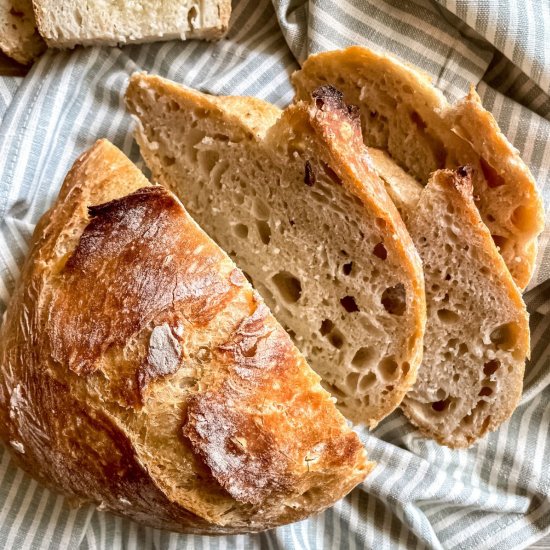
463 133
129 336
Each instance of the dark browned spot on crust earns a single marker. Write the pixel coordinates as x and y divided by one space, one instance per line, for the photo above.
309 175
139 258
328 98
242 456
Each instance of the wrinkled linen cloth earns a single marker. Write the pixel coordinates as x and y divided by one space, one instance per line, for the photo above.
421 495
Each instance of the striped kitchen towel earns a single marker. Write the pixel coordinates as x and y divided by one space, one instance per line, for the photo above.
421 495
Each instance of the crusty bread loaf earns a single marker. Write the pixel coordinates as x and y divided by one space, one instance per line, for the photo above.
404 114
19 37
298 206
477 331
68 23
140 371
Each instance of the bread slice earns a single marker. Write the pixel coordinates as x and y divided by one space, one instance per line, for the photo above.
68 23
139 370
477 331
19 38
404 114
292 196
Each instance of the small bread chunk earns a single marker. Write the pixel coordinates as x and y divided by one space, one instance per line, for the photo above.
139 370
19 38
405 115
477 331
69 23
293 198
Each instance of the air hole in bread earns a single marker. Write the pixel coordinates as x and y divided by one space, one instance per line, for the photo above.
168 161
485 391
491 367
239 198
320 198
381 223
260 210
326 326
336 338
417 120
309 174
363 358
500 241
448 248
203 355
352 380
505 336
346 268
380 251
440 406
462 349
289 287
331 173
349 304
388 368
490 218
264 231
292 334
367 381
525 218
394 299
217 173
207 160
447 316
492 177
405 368
248 277
172 106
333 390
192 17
241 230
194 137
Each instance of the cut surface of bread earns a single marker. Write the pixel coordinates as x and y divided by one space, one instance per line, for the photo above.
70 23
139 370
19 38
405 115
477 331
293 198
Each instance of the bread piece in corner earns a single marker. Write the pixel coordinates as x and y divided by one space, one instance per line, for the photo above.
19 38
293 198
71 22
139 370
405 115
477 331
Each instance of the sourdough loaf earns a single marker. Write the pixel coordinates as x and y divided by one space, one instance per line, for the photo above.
477 331
404 114
19 37
293 198
140 371
68 23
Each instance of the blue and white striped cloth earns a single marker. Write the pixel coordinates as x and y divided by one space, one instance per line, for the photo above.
495 495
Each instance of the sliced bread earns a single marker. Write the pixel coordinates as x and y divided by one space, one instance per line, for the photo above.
19 38
68 23
293 198
477 331
404 114
140 371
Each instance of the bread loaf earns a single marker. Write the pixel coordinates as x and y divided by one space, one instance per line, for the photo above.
68 23
19 37
140 371
404 114
293 198
477 330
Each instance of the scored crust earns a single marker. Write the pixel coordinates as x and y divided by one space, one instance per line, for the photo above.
405 115
140 371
